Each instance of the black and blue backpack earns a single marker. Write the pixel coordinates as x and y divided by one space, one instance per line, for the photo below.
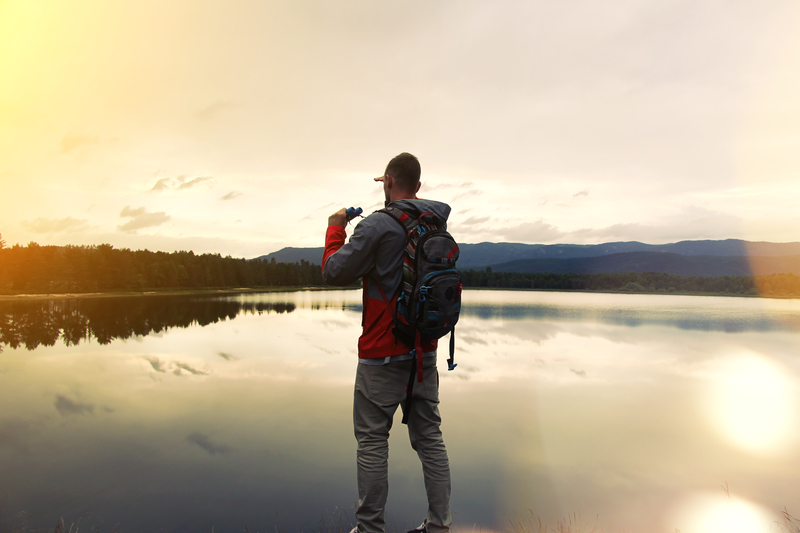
429 295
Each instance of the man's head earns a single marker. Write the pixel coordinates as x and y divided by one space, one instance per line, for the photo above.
401 179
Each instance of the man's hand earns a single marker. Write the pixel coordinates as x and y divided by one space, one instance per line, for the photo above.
339 218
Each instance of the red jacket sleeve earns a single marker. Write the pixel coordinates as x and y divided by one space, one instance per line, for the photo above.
334 239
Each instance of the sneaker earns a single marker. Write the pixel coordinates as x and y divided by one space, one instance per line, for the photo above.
423 527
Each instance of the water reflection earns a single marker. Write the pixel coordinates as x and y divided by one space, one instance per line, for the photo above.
684 312
201 412
43 322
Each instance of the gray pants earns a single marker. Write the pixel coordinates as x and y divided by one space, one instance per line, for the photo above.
378 392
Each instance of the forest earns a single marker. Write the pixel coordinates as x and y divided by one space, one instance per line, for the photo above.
35 269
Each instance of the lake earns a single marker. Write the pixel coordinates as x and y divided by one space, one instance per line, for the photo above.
182 414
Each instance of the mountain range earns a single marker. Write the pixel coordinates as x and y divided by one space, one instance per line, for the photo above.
730 257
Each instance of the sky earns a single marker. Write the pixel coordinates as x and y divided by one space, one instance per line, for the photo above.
238 127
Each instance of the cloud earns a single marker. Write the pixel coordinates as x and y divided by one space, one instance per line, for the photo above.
161 185
584 192
178 184
227 356
157 364
464 185
183 366
537 232
690 223
231 195
128 212
53 225
70 141
471 221
473 192
205 443
66 407
192 183
580 373
140 219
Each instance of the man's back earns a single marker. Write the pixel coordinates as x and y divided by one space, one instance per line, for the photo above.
375 252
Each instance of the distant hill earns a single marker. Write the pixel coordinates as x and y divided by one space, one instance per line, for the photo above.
489 254
664 262
294 255
689 258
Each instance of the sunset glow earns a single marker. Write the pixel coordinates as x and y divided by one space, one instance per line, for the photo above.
238 128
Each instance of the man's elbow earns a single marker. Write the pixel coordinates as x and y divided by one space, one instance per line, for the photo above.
330 277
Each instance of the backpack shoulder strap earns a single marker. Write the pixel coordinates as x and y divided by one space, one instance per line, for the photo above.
408 222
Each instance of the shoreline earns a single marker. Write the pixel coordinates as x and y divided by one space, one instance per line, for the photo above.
167 292
298 288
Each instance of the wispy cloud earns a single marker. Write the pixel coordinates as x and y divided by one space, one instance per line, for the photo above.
179 367
192 183
205 443
227 356
161 185
53 225
178 184
231 195
579 373
584 192
141 219
157 364
67 407
467 194
465 185
471 221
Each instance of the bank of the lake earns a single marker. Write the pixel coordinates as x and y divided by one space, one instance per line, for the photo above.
165 292
256 290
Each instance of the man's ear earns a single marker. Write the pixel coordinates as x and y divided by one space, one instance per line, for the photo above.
419 184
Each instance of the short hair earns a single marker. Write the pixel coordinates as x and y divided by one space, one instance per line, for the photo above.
405 170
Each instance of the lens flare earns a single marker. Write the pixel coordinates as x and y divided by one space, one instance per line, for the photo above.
752 403
717 513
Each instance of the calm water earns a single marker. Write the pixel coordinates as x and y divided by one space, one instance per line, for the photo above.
179 414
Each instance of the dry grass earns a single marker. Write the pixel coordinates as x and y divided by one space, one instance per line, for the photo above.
573 523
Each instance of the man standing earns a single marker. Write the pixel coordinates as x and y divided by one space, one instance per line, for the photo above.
375 253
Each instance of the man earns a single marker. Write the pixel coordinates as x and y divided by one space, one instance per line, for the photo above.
375 253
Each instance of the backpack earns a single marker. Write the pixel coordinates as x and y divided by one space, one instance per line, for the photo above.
429 295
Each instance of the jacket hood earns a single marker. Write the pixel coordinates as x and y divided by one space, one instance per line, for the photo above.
439 209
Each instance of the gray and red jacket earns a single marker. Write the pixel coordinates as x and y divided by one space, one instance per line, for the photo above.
375 253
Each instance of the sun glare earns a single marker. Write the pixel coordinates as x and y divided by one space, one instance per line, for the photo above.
716 513
752 403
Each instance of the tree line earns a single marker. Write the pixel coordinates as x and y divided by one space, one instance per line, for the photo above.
73 269
36 269
772 285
